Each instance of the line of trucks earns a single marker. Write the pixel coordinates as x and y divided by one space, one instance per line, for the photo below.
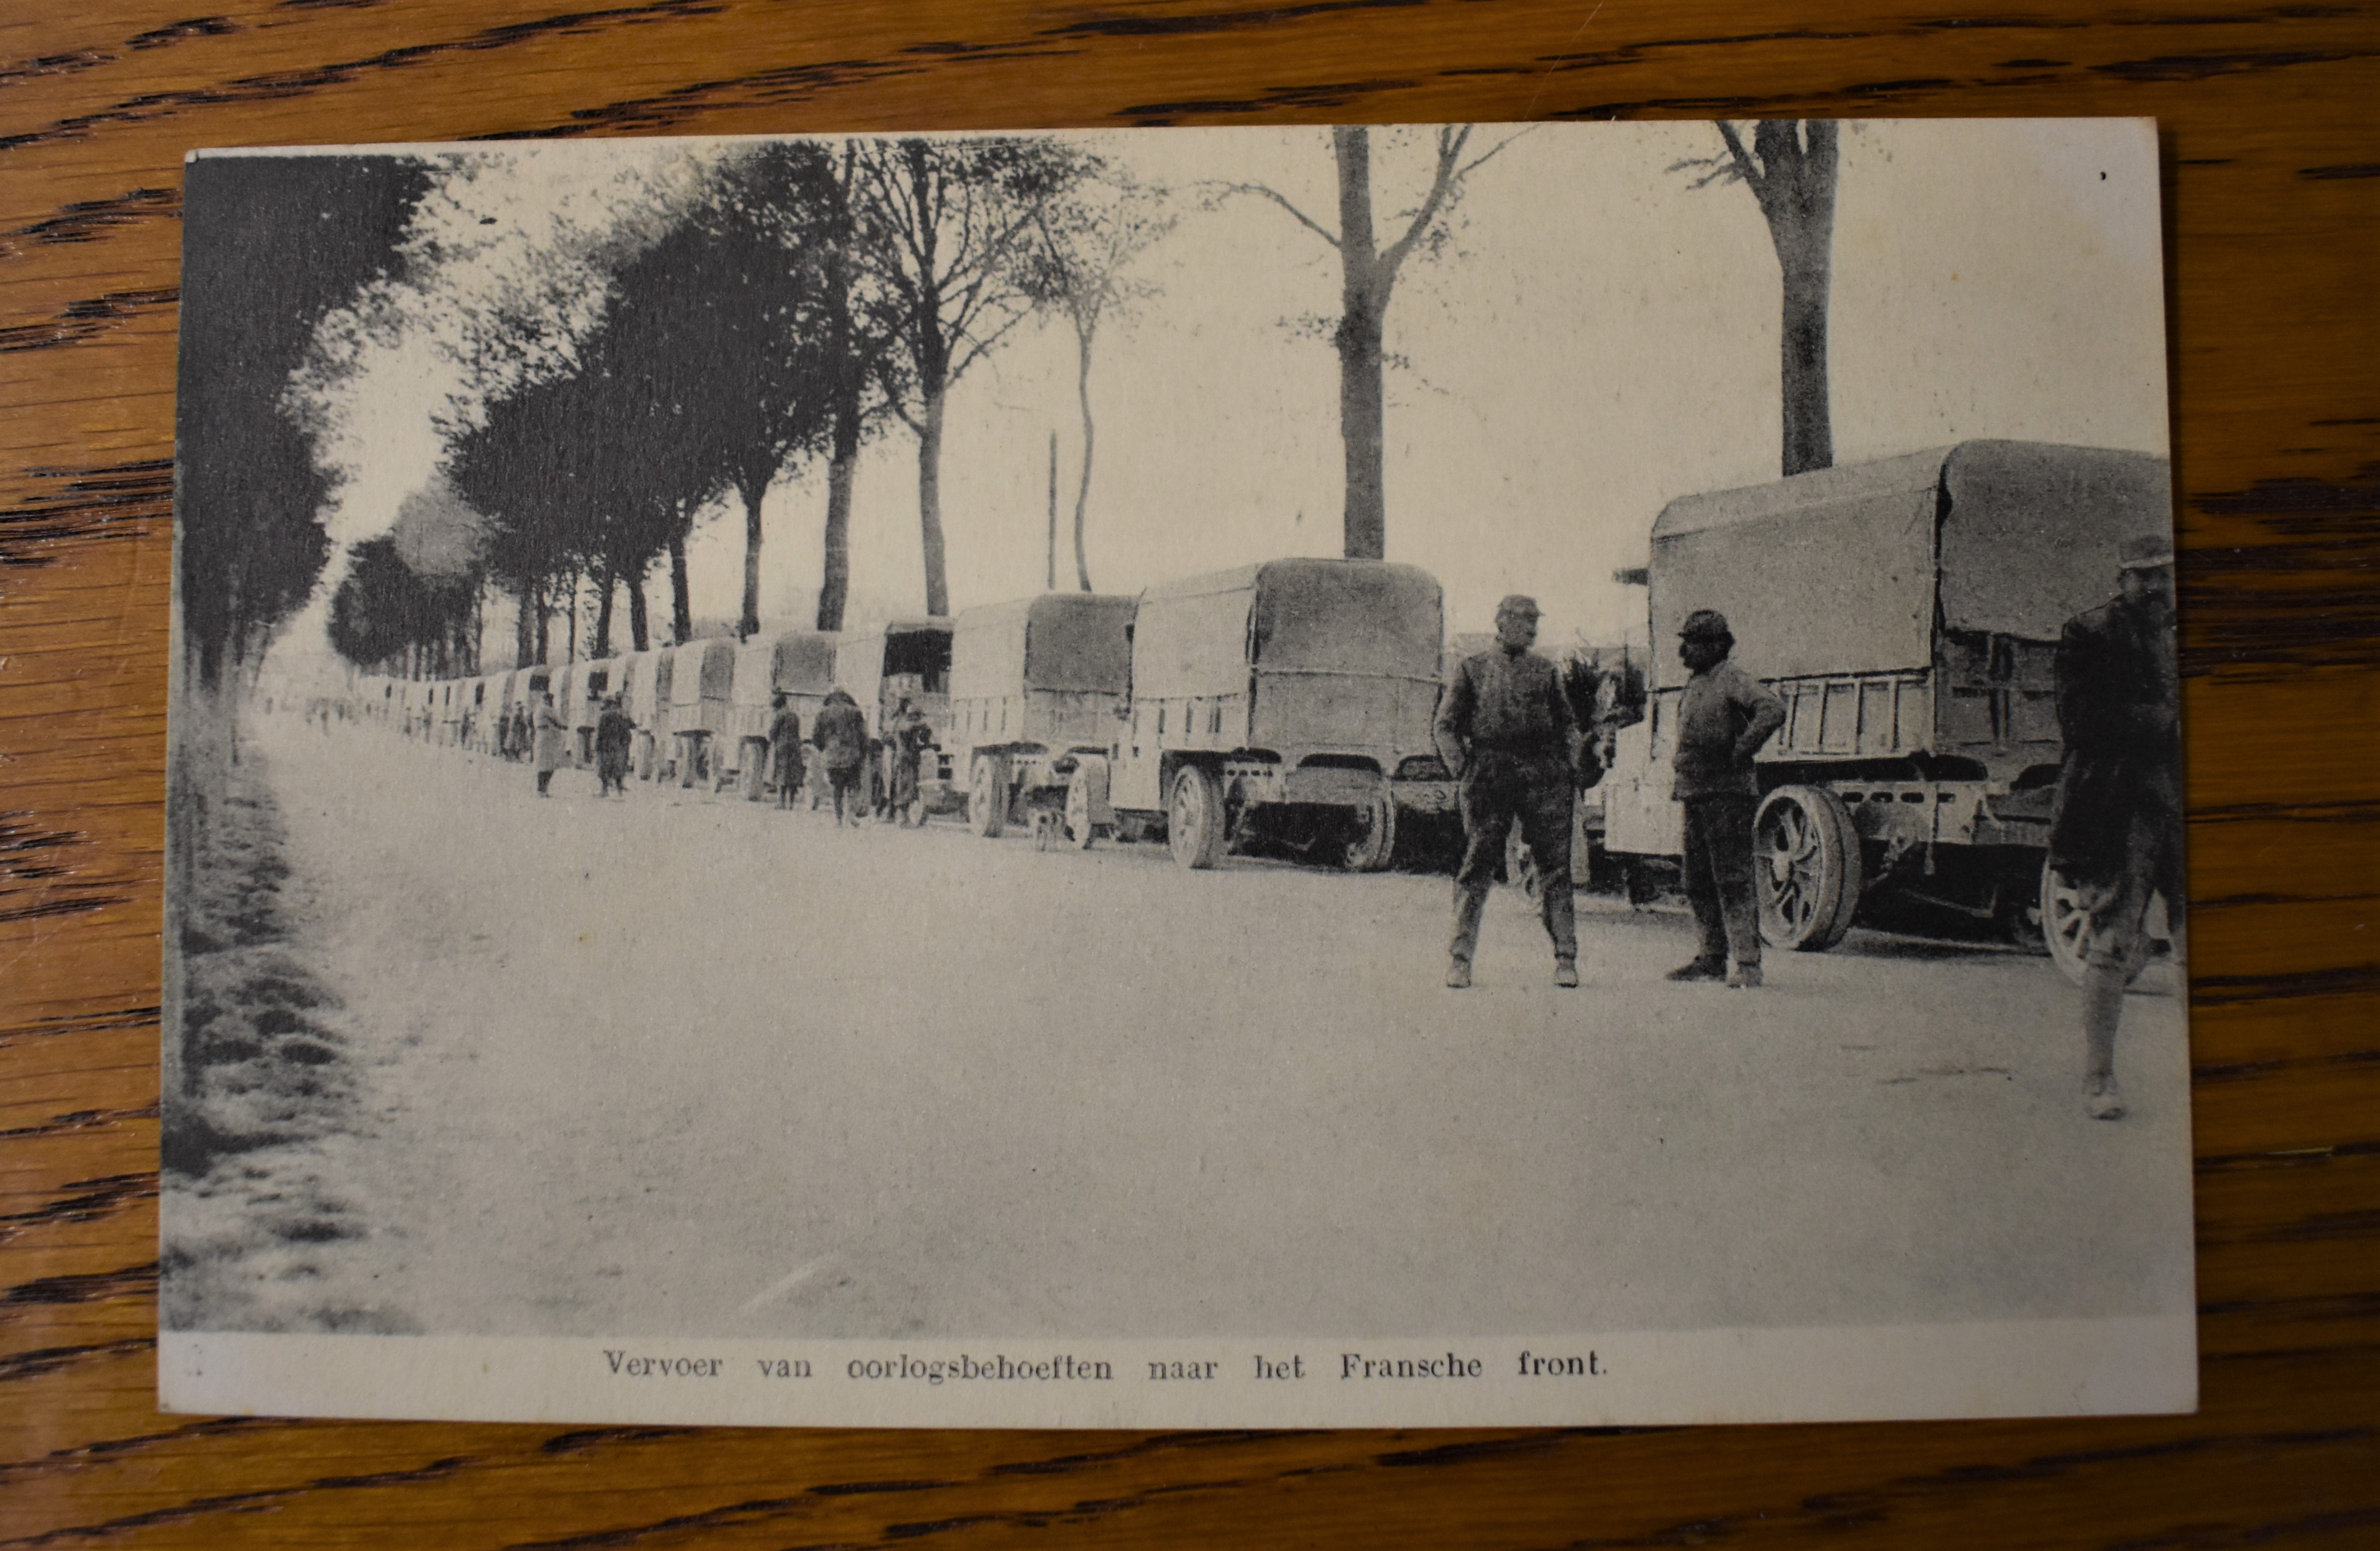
1906 611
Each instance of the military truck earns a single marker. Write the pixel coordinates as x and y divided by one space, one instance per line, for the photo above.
1035 685
1907 612
1292 699
903 659
645 697
798 664
700 674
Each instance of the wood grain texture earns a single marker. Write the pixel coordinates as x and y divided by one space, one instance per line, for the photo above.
2272 163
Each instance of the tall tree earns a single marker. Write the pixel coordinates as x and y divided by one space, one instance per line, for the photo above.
858 331
1081 268
947 226
1368 279
1790 169
271 245
753 262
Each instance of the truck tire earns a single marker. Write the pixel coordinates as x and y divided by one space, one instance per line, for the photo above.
1373 839
2064 922
1195 820
1086 795
987 795
1806 869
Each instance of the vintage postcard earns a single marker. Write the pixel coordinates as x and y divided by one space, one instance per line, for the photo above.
1437 775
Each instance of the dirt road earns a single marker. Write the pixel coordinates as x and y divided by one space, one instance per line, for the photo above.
681 1064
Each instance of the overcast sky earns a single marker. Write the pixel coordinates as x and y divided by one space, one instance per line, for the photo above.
1600 338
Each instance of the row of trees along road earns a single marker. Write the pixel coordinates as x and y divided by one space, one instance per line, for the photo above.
809 296
812 295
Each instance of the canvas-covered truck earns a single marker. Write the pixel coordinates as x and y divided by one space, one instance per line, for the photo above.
799 665
903 659
645 697
1035 685
701 673
1907 612
1292 699
580 688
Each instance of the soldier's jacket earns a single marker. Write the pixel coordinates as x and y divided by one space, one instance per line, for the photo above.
1505 702
2119 717
1723 718
840 732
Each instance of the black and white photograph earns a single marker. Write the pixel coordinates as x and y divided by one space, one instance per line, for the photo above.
1390 776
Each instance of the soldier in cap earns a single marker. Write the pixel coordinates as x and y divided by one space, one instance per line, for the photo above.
1723 718
2116 833
1505 728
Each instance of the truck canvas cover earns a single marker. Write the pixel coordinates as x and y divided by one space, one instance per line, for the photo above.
1847 570
1359 617
1060 641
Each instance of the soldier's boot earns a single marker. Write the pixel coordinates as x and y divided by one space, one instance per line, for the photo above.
1566 974
1700 969
1458 976
1743 977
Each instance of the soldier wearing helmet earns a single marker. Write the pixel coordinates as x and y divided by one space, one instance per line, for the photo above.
1506 728
1723 718
2116 833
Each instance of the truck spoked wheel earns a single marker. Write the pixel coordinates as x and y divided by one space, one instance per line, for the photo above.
1373 839
2066 925
987 795
1195 820
1079 826
1805 865
1521 863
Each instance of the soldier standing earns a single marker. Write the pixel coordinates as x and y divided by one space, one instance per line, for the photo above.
907 739
785 749
1505 729
2116 833
1723 718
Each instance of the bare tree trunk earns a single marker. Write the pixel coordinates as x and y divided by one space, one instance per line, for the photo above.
570 652
681 609
640 630
1809 436
834 576
1049 562
749 624
523 627
610 584
929 498
1793 178
1082 490
1362 394
544 624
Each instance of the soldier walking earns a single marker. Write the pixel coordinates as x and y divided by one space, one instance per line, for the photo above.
1505 729
614 733
2116 833
840 732
1723 718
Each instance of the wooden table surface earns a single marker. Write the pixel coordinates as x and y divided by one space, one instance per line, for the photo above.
2272 177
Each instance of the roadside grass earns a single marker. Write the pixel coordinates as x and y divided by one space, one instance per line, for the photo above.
258 1131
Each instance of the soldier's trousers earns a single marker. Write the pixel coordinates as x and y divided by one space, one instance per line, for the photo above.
1497 789
1719 877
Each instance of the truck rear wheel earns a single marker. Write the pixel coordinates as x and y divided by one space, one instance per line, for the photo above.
1194 823
1806 869
2066 924
1086 794
1373 838
987 795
